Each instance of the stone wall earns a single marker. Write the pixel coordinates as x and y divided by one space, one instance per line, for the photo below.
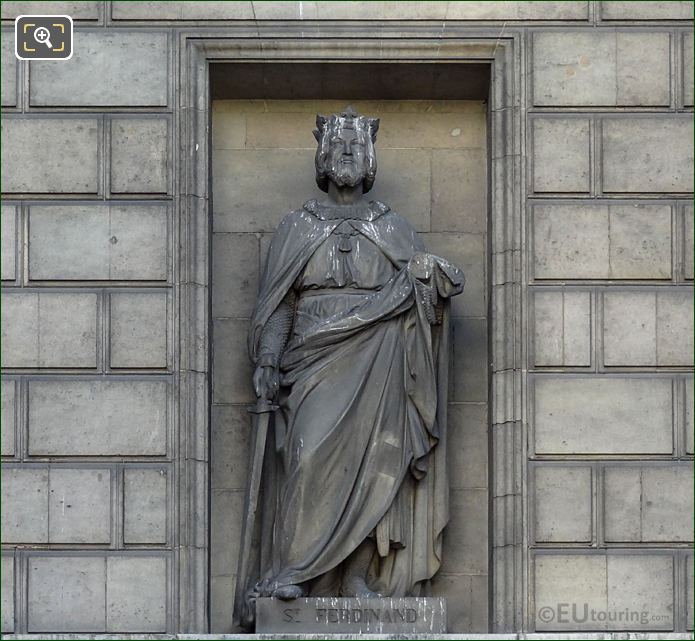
96 269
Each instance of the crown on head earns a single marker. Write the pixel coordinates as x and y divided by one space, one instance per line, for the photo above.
347 119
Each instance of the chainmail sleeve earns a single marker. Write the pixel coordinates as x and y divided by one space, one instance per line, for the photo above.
276 332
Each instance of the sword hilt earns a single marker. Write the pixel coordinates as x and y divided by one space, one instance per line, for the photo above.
262 406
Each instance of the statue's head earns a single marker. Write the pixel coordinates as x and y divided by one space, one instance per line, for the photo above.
345 153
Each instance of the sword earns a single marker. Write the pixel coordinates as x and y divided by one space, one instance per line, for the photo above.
262 411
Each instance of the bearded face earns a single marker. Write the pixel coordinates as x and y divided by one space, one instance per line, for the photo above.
345 155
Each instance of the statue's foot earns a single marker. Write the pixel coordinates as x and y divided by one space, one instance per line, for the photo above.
289 592
356 586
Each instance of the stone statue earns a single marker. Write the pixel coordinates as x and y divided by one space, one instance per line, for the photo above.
350 340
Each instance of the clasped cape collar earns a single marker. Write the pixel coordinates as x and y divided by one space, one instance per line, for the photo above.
367 211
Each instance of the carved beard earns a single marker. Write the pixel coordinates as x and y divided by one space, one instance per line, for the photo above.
347 174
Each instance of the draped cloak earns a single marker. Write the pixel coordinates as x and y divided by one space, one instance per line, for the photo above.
357 449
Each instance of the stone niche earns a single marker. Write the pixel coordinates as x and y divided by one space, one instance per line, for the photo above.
432 169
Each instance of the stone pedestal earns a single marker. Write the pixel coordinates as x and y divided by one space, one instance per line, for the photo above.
331 615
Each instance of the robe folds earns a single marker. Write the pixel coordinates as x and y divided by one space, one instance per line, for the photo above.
357 449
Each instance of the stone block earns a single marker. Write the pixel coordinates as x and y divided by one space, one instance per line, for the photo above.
235 274
7 593
94 417
8 89
603 415
459 179
232 370
240 206
622 504
139 155
226 514
76 9
562 581
145 505
8 229
561 155
688 69
689 426
231 435
25 505
72 169
611 69
630 10
136 594
467 600
49 330
599 241
139 323
67 594
674 327
640 241
690 593
562 504
177 10
222 590
629 328
647 155
228 125
468 374
689 243
79 506
8 390
562 328
465 542
467 445
98 242
107 69
667 503
469 253
641 583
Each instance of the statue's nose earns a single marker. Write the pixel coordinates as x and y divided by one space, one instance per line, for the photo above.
347 148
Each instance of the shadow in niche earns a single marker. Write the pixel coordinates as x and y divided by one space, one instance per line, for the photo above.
440 185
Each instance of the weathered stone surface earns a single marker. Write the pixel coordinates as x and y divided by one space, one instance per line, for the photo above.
466 597
468 376
459 202
688 69
568 579
648 503
603 415
562 322
49 330
674 327
139 330
467 443
235 270
465 538
689 244
108 418
25 505
139 149
690 592
641 583
98 242
76 9
8 390
8 89
227 513
599 241
72 170
79 506
232 368
330 615
145 505
182 11
689 423
601 68
561 155
630 10
652 155
67 594
106 69
8 229
136 594
562 504
7 593
629 328
231 433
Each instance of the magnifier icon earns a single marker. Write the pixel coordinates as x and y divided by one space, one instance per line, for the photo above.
43 36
